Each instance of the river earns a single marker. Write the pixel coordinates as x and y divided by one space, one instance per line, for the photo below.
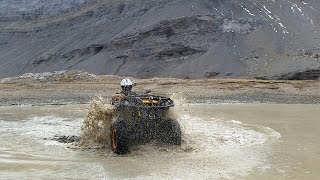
220 141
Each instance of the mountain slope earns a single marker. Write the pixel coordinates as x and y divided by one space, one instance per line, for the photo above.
173 38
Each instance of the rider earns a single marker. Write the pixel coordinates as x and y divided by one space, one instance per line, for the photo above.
126 86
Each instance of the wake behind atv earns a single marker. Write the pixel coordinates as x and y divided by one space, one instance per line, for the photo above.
141 119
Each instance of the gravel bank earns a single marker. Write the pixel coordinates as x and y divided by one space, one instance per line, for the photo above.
81 90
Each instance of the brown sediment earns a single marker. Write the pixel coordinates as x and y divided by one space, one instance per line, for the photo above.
96 125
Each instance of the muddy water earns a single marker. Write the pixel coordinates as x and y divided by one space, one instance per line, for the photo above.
220 141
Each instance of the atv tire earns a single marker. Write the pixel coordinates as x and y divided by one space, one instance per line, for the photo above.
171 132
119 138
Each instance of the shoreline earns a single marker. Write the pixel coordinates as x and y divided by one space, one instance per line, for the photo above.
193 104
207 91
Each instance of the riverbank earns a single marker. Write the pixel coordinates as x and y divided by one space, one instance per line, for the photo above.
77 88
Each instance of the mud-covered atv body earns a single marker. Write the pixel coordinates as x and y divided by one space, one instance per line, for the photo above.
141 119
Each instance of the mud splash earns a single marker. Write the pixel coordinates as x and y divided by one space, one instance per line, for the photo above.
100 114
180 106
198 134
95 127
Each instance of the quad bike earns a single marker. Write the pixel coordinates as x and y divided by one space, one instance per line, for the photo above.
141 119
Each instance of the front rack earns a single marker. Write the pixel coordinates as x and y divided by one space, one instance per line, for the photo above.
145 101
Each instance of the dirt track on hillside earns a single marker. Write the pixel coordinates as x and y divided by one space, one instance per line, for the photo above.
69 91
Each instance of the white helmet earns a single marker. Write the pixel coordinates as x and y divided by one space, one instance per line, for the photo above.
126 82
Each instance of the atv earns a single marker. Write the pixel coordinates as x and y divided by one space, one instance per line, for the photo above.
140 119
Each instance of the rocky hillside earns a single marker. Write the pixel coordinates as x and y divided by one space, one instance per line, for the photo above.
168 38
